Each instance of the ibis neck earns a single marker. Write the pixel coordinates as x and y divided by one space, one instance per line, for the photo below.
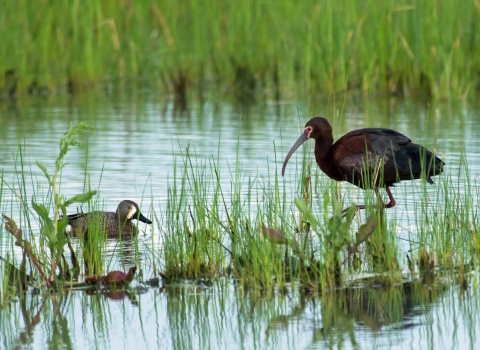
322 147
324 158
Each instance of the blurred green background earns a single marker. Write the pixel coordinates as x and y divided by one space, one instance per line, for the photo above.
388 47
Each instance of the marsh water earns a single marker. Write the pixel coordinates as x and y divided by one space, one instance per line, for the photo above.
139 140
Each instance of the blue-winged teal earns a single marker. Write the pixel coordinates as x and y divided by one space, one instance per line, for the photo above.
114 224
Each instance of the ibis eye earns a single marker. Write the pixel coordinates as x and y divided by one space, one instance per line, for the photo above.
308 131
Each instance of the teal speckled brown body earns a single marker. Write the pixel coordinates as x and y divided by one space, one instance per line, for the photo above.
112 223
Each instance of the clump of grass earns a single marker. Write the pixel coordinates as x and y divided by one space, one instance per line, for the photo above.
93 242
209 228
447 225
253 231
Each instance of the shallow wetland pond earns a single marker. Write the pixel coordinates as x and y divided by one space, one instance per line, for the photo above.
140 149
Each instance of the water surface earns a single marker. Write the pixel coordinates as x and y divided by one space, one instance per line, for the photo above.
138 140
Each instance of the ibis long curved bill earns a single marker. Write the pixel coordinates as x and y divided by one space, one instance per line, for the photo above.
298 143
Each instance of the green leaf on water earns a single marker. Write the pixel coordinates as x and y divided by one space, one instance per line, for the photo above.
47 228
344 231
45 171
63 223
81 198
326 202
310 217
59 200
333 224
41 210
48 231
351 212
338 242
366 230
337 209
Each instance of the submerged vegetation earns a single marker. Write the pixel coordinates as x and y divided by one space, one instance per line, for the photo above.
396 47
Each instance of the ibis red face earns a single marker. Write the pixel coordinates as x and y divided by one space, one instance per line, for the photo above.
304 137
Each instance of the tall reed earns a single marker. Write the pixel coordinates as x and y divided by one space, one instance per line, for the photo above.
405 47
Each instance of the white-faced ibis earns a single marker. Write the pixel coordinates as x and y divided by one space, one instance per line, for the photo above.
368 158
114 223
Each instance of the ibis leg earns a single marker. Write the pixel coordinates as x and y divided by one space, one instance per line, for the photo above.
390 204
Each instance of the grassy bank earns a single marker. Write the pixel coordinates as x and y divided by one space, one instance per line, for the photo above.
406 47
